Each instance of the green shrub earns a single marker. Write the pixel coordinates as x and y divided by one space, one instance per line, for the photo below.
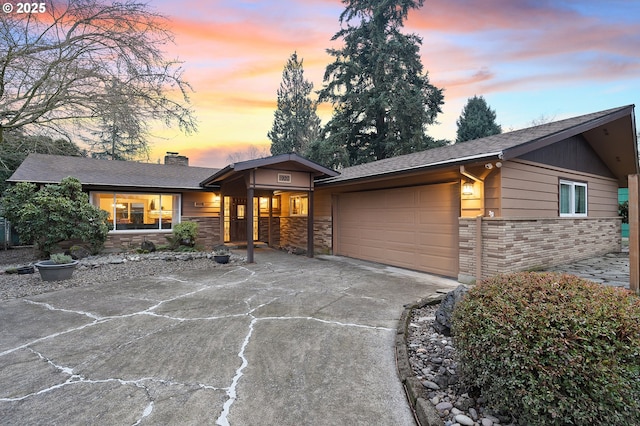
184 234
61 258
55 213
552 349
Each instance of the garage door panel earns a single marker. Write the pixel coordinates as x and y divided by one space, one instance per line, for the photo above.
415 227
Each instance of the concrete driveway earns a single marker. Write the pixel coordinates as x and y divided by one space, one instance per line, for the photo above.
285 341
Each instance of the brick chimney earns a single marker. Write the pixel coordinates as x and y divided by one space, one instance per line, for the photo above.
173 159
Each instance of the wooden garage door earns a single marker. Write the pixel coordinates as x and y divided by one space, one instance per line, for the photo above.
414 227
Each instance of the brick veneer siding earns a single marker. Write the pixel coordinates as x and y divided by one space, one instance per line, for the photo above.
208 236
510 245
293 232
275 230
208 231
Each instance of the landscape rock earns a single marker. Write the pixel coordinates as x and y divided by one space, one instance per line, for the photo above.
442 324
79 252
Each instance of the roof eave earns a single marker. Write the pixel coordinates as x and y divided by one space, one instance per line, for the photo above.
452 162
544 141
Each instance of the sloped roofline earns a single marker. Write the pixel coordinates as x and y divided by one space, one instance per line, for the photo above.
504 146
301 163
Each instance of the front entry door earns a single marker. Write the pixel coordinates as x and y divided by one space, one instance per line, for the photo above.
238 212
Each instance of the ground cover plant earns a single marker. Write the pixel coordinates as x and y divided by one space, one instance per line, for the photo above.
551 349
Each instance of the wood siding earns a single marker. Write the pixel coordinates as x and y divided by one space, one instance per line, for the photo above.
532 190
199 204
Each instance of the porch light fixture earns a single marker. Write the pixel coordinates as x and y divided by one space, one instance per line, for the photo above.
467 188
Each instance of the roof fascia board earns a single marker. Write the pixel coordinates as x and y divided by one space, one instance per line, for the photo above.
270 161
498 155
527 147
634 131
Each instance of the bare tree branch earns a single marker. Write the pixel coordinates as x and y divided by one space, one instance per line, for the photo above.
91 66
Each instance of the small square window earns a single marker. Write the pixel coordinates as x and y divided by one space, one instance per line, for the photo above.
573 199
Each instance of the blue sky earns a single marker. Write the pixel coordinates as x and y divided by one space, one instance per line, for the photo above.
529 59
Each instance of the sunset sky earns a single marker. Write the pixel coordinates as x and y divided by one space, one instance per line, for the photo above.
528 58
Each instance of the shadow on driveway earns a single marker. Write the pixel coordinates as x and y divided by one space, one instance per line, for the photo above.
287 341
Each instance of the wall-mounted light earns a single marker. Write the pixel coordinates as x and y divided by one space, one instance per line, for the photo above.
467 188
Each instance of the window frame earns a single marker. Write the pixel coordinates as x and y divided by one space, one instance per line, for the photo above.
572 200
95 201
304 200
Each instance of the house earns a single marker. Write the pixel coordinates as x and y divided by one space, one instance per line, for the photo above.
534 197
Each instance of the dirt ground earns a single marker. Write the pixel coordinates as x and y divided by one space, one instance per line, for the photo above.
14 256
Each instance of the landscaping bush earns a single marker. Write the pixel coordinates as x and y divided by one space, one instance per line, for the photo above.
55 213
184 235
551 349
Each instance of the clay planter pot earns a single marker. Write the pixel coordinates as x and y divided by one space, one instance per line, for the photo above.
51 271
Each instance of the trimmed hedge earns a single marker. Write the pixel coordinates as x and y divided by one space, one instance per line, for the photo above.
551 349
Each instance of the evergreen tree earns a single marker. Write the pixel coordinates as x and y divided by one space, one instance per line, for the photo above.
382 99
295 123
16 146
477 121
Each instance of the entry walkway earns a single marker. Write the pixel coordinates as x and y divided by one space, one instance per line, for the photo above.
611 269
285 341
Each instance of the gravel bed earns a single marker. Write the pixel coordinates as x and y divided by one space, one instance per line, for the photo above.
432 357
95 270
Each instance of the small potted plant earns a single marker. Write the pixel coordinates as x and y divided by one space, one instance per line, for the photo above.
58 267
221 254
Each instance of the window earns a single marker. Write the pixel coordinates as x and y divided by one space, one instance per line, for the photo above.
131 211
299 205
573 198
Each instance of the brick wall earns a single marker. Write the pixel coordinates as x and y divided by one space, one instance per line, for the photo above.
208 231
208 236
510 245
293 232
275 230
130 241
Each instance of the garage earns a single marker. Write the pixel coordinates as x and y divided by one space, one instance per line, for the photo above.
412 227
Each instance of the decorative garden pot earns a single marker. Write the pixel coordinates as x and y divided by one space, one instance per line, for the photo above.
51 271
221 258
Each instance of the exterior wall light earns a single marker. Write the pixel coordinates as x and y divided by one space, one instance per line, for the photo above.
467 188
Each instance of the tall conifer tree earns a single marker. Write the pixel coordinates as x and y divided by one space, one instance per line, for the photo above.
295 123
476 121
382 98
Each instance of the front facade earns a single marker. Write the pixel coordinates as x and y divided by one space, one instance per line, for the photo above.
522 200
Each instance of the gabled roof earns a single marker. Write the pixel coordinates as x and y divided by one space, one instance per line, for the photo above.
510 145
43 169
290 162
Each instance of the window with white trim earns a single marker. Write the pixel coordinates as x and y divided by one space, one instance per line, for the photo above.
139 211
573 199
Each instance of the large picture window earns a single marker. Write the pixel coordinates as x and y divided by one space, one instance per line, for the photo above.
131 211
573 198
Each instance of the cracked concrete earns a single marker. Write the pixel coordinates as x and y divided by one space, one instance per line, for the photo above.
287 341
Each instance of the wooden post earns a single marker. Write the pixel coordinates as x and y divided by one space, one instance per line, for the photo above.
269 230
249 216
634 235
310 225
478 249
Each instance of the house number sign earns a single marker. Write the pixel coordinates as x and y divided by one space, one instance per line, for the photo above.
284 178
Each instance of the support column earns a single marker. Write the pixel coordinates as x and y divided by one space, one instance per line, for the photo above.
250 224
269 230
222 206
478 249
310 225
634 234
